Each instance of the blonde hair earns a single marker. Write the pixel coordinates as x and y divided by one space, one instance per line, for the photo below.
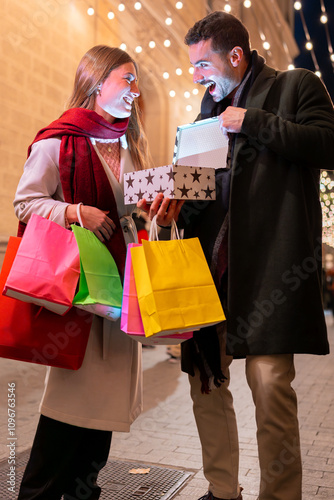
94 68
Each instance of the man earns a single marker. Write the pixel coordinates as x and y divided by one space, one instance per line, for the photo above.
268 216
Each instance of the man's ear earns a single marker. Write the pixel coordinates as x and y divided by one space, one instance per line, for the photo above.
236 55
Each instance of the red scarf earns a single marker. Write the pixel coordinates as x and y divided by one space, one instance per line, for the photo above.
82 175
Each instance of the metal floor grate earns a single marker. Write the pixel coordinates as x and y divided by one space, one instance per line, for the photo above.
117 483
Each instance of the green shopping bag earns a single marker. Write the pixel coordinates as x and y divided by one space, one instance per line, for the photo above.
100 287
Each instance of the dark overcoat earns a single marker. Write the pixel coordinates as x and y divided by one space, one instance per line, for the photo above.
274 292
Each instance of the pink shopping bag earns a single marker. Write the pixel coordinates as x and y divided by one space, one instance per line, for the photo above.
131 322
46 268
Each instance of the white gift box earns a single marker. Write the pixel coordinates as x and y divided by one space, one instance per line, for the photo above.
201 144
180 182
200 148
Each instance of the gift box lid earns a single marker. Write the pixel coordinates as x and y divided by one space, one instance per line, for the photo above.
201 144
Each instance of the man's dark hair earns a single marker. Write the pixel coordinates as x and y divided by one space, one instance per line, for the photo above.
224 30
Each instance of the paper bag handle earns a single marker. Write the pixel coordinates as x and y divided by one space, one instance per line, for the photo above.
79 214
127 218
153 234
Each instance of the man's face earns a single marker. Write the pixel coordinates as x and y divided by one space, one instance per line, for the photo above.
213 71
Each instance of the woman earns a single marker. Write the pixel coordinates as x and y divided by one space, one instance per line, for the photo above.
78 162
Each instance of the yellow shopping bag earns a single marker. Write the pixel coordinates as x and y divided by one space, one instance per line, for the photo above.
174 285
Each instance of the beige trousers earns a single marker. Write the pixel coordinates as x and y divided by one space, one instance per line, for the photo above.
269 378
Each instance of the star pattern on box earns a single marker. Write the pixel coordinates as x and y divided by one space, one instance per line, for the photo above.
184 191
149 178
130 182
171 174
174 181
208 192
140 195
196 176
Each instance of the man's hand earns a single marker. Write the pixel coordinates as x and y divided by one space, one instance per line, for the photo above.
231 119
164 208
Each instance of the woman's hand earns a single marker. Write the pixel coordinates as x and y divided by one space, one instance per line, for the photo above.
165 209
94 219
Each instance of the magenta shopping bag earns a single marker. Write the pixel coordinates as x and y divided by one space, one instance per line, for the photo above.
46 268
131 322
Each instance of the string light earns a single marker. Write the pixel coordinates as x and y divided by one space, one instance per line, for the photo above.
247 4
178 71
111 15
187 94
189 107
151 44
227 7
308 44
179 5
195 91
191 70
291 66
123 46
324 20
168 21
172 93
165 75
90 11
121 7
137 6
167 43
138 49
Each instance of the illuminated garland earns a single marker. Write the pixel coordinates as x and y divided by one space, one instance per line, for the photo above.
327 205
309 45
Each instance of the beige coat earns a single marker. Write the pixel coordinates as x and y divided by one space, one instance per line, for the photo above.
106 392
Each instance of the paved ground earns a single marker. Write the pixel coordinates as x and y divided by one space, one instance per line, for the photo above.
165 433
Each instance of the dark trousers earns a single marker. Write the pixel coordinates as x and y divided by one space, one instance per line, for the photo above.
64 460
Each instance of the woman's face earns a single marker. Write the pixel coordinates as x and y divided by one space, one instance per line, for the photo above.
117 93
